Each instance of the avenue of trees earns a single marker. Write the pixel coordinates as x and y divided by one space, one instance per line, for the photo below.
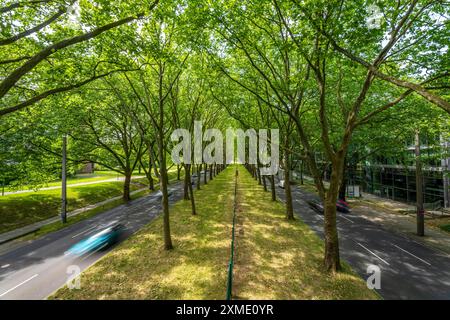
118 77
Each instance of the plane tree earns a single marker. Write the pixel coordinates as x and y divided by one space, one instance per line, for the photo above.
50 40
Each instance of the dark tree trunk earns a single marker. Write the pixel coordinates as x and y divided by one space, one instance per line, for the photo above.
272 187
205 176
419 189
287 185
178 172
331 259
198 176
259 176
210 172
343 185
301 173
126 186
264 183
187 180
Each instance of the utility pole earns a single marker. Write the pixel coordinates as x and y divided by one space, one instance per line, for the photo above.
419 189
64 181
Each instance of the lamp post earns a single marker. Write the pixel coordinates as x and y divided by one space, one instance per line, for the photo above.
64 181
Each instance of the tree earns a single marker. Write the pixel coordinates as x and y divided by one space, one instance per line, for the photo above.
42 42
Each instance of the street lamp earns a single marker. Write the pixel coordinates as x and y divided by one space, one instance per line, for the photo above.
64 180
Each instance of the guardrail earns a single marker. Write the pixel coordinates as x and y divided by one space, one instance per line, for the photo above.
231 263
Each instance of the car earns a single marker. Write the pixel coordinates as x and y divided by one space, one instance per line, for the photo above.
105 236
315 205
159 194
281 184
341 206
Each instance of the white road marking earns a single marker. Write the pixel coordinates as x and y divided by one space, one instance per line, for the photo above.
79 234
347 219
5 266
412 254
23 282
373 253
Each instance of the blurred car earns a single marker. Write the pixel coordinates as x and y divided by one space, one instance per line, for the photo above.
341 206
106 236
315 205
281 184
159 194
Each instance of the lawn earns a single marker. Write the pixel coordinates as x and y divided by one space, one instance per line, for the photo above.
21 209
18 210
276 258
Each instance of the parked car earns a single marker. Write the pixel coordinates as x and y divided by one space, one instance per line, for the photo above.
106 236
281 184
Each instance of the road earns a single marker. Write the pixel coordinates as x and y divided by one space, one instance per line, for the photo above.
36 269
409 269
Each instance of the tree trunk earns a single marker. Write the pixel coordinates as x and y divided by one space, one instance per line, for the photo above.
343 185
287 185
162 164
331 259
210 172
126 186
205 177
272 187
187 180
301 173
191 196
419 189
199 167
178 172
264 183
259 176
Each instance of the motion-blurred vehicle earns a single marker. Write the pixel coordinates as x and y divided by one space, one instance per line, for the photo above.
281 184
105 236
159 194
341 206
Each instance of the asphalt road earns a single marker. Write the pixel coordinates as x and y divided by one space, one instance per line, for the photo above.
409 269
36 269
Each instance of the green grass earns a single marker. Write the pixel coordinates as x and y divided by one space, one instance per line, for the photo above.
445 227
276 258
18 210
196 268
79 217
84 215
